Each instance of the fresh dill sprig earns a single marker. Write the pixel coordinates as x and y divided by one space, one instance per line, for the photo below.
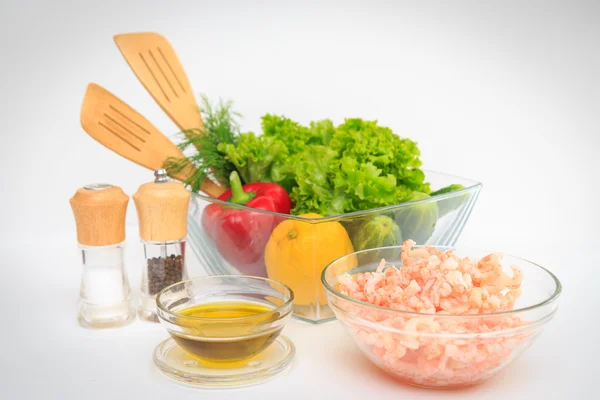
220 126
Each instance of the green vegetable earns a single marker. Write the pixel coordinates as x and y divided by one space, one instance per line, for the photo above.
314 170
450 204
327 169
380 231
321 132
292 134
220 126
366 142
259 159
328 185
448 189
372 167
365 186
417 221
295 136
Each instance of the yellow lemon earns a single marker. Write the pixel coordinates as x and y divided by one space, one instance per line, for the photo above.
298 251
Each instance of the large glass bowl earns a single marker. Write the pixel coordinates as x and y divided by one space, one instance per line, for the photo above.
302 247
436 350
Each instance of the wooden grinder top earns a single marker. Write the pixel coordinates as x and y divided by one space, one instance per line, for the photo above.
162 208
99 211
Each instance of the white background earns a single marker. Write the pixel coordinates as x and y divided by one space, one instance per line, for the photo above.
507 93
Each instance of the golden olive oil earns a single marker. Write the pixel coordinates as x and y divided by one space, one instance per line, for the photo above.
228 331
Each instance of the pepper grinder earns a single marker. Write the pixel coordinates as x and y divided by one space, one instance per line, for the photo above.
162 208
105 296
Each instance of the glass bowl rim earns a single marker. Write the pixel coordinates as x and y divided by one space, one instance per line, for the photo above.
474 186
285 305
553 297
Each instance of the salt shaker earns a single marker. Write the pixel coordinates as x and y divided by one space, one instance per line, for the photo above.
104 296
162 208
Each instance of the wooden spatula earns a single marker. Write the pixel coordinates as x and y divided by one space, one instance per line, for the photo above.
123 130
155 63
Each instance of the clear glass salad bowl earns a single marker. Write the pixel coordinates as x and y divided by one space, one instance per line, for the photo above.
442 350
296 249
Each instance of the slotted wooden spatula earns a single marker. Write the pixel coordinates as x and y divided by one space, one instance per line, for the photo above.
155 63
123 130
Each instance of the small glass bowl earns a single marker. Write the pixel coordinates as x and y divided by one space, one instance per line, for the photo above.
230 351
436 350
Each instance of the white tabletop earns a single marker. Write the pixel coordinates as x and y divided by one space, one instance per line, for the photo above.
47 355
505 93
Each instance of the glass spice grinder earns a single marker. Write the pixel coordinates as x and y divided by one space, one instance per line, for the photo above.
104 296
162 208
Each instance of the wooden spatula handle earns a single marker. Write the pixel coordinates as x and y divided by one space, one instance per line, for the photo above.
116 125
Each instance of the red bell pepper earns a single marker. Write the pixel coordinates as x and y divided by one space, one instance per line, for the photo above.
241 235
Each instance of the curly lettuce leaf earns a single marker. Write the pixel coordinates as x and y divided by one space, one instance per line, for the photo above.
321 132
295 136
368 142
328 185
259 159
313 170
330 170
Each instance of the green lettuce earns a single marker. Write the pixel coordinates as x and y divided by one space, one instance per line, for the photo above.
295 136
259 159
330 170
367 142
328 185
290 133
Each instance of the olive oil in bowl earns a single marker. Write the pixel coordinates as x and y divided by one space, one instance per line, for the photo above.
227 332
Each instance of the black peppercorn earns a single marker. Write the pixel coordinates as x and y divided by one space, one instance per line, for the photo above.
163 272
